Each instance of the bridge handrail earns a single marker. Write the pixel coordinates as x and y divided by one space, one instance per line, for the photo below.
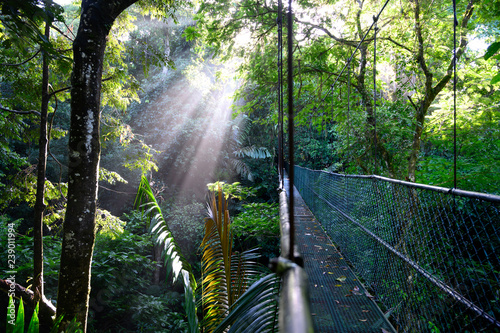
462 193
294 309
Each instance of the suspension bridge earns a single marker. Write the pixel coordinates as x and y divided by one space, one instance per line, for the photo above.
367 253
383 255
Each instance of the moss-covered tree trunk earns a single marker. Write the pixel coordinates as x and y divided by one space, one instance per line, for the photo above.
84 153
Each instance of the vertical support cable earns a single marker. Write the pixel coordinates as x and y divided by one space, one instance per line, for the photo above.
348 104
291 173
282 103
375 18
455 23
280 93
282 109
376 197
346 185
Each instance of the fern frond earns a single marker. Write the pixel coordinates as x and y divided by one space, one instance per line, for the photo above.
174 261
242 168
252 152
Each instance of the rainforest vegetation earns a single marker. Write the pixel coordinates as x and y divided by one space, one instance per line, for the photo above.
134 131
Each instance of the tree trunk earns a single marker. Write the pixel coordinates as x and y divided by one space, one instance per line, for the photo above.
431 92
96 20
40 186
157 258
367 101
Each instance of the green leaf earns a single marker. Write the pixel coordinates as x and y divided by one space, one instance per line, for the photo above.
496 78
20 318
492 49
57 322
34 323
18 326
191 33
11 325
255 309
174 261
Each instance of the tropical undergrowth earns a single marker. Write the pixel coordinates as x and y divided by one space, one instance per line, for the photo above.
231 280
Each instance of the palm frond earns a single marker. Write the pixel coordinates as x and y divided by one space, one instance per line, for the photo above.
216 261
226 275
240 147
255 310
242 168
252 152
245 269
174 261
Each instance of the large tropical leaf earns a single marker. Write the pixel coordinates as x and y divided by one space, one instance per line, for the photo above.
252 152
174 261
242 168
256 310
216 261
241 147
18 324
34 322
225 275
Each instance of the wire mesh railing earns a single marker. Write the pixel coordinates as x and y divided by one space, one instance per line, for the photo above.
430 255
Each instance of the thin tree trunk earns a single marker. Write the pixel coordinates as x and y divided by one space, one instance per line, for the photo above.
367 100
40 187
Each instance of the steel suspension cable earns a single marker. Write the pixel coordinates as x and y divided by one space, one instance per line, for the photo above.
282 101
375 92
291 171
455 23
280 94
348 105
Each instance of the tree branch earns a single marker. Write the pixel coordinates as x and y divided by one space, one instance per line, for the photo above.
2 108
59 90
397 44
19 112
420 52
69 87
108 189
412 103
326 31
62 33
461 48
28 297
22 63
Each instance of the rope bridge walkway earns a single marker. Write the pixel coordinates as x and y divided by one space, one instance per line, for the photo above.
339 302
428 255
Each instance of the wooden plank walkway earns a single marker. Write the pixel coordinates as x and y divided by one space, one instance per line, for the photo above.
339 302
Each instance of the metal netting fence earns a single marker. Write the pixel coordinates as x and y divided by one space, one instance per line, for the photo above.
430 255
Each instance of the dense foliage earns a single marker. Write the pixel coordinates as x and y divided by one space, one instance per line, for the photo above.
408 132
